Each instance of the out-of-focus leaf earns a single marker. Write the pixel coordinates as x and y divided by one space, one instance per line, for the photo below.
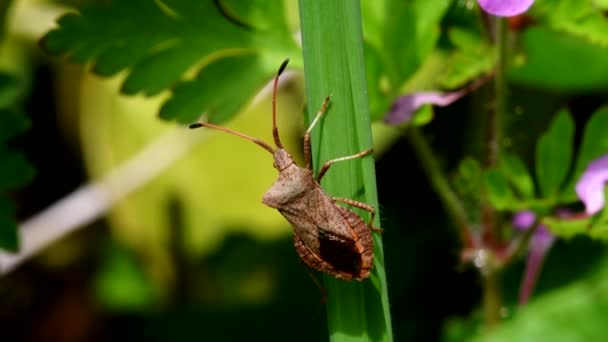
12 123
161 41
554 154
15 171
601 4
573 313
549 58
500 194
469 180
121 283
379 99
472 58
518 175
8 228
594 144
566 228
404 33
423 115
579 18
469 185
10 91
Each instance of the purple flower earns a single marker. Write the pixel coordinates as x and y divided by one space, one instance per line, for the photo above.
523 220
540 244
505 8
590 187
404 107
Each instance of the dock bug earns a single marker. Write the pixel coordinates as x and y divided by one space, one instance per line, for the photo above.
327 237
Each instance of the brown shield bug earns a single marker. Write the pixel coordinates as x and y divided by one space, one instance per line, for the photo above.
327 237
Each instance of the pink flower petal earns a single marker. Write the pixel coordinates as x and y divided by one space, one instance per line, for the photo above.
522 220
404 107
505 8
590 187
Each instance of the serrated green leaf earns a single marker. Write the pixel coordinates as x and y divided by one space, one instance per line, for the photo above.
549 58
518 175
554 154
594 145
471 58
499 192
161 41
235 76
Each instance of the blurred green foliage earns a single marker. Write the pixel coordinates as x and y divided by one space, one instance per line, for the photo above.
16 171
233 274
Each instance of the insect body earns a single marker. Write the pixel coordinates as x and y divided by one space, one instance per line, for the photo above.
327 237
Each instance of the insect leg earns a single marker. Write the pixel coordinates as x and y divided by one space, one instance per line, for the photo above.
328 163
363 206
307 135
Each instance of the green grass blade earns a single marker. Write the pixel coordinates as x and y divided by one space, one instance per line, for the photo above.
333 63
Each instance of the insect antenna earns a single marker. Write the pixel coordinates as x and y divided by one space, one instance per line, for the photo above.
227 130
275 130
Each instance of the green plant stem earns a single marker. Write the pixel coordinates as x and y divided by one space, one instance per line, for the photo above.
332 45
448 199
492 299
492 235
500 90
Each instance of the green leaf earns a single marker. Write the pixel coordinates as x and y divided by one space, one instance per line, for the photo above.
335 65
10 90
579 18
518 175
471 58
379 97
469 180
121 284
567 228
554 154
594 145
601 4
572 313
12 123
193 98
15 171
9 238
423 115
549 62
159 42
386 23
499 191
